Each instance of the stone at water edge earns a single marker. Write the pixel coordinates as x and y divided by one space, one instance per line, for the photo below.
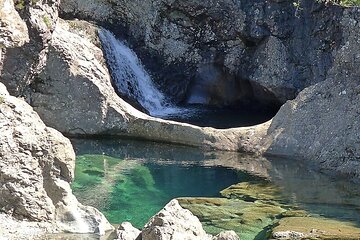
227 235
248 219
36 165
126 231
255 191
174 223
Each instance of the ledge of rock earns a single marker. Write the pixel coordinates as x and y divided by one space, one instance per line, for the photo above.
74 95
36 166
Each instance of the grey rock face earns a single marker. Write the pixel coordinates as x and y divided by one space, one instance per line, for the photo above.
174 222
323 123
20 64
270 49
13 30
227 235
75 96
36 166
127 232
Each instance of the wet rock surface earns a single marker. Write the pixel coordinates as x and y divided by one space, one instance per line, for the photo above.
248 219
314 228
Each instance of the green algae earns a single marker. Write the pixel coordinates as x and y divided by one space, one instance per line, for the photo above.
251 191
122 190
135 190
251 220
90 170
319 228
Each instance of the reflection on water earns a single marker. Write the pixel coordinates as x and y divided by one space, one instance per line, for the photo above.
132 180
316 192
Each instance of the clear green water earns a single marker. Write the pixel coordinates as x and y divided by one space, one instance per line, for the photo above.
134 189
132 180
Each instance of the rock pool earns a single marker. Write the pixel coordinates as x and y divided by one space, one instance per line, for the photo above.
132 180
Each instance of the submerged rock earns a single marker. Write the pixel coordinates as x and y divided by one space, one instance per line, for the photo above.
265 191
247 219
314 228
36 165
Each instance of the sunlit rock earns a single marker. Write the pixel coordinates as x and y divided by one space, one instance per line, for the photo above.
13 30
84 103
36 165
127 232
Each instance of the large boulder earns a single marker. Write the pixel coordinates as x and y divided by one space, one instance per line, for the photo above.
176 223
74 95
36 165
126 231
323 123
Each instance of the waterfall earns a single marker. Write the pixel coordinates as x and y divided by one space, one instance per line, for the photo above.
131 79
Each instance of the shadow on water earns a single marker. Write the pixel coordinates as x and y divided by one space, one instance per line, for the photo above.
224 117
132 180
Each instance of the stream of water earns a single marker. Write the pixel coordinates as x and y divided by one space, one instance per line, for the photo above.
134 82
131 78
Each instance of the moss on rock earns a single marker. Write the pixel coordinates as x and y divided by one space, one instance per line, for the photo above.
316 228
254 191
250 220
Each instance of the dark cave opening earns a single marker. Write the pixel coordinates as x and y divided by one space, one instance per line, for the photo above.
222 100
214 97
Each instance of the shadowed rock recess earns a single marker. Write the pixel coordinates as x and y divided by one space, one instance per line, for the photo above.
235 50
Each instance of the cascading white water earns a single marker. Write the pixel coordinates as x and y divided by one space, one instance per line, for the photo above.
131 79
